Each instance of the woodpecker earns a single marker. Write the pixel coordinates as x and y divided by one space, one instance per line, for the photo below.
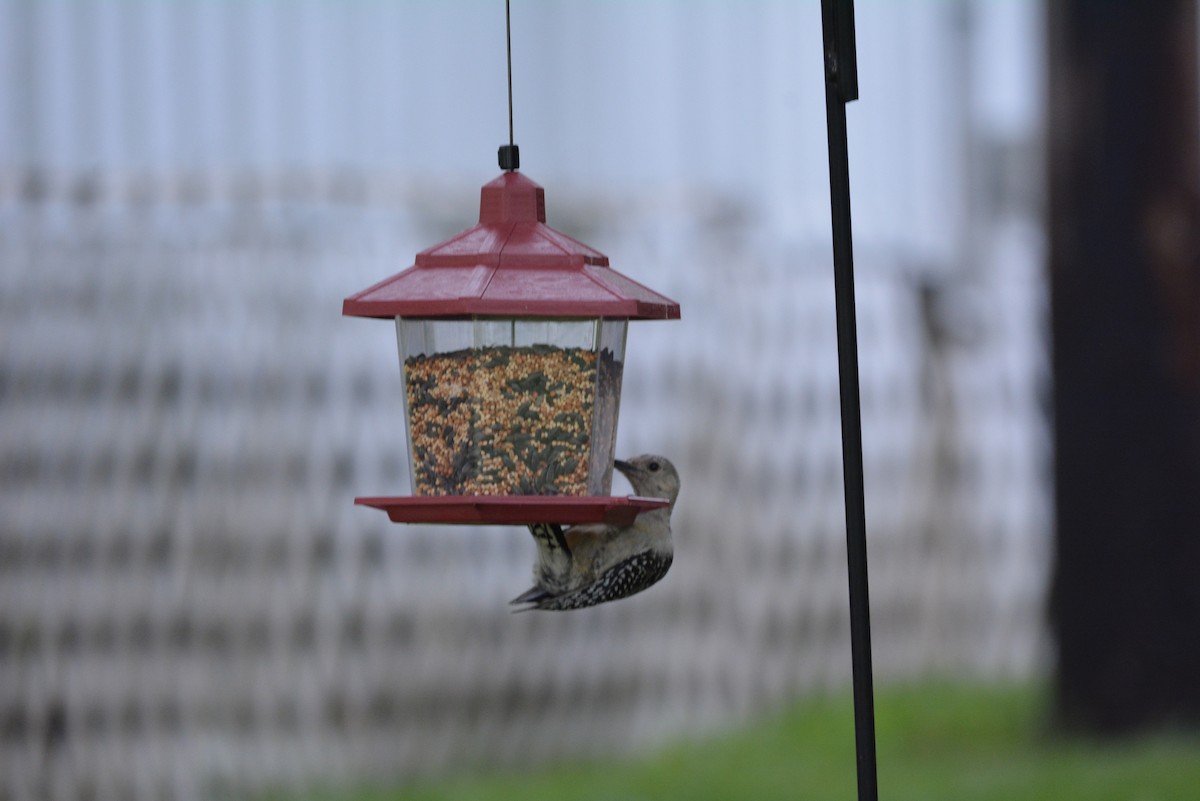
593 563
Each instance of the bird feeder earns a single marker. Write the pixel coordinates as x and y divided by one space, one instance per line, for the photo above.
512 347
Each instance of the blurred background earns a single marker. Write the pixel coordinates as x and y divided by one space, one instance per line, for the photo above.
190 605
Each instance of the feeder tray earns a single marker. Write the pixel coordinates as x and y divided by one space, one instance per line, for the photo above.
514 510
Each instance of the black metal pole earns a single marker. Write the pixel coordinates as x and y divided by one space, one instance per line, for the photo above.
841 86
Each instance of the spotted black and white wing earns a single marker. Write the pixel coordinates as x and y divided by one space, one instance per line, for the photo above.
623 579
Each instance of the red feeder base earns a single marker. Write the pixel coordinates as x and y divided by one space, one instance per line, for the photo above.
514 510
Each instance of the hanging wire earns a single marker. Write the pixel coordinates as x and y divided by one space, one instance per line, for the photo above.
510 156
508 43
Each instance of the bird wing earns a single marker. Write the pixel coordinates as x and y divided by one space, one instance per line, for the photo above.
628 577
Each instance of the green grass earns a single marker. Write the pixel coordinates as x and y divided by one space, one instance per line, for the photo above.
934 743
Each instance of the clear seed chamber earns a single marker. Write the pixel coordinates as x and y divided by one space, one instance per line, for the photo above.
499 406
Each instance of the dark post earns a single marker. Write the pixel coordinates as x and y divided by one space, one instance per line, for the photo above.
1124 166
841 86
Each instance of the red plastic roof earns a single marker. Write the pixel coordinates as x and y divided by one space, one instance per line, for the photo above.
511 265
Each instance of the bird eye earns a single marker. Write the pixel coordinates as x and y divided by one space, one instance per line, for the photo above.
653 466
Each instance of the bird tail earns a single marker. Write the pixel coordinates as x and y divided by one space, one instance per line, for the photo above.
554 557
531 596
550 537
553 567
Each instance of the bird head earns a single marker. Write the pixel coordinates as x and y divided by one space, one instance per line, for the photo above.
651 476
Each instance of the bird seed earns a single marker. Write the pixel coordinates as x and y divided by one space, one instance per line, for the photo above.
506 420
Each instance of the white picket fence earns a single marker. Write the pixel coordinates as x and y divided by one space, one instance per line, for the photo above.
190 605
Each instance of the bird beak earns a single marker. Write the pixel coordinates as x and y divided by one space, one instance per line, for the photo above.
624 467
